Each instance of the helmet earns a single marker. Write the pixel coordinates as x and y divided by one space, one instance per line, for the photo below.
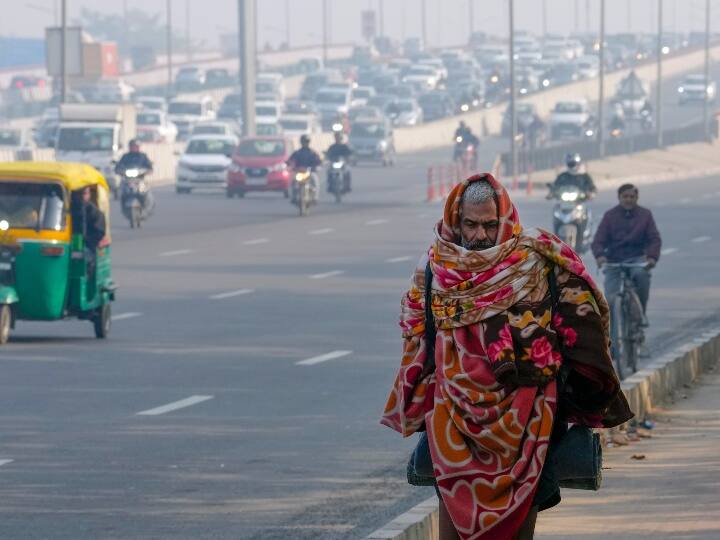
573 161
304 139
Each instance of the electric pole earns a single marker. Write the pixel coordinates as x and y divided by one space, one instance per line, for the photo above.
706 101
188 45
247 58
381 17
168 38
471 17
63 52
287 23
325 31
601 89
513 104
423 7
544 20
658 104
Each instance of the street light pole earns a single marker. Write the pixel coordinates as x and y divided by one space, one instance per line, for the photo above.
471 16
247 57
423 7
513 104
188 45
63 52
325 30
601 88
658 104
287 23
168 38
706 101
544 20
381 16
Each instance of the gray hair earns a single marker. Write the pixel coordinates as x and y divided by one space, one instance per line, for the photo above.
478 193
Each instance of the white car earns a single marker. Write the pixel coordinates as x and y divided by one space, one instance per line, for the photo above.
296 125
409 113
268 111
424 75
361 94
588 67
570 119
694 88
205 163
214 128
154 126
185 113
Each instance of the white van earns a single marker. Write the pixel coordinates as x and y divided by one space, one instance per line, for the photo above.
187 112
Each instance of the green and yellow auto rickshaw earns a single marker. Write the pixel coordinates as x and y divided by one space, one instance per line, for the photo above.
53 263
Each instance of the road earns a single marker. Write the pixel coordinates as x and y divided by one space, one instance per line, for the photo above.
278 337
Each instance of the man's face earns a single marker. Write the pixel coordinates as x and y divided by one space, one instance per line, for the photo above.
479 225
628 199
86 195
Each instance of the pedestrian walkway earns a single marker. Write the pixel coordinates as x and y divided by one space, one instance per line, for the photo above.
662 488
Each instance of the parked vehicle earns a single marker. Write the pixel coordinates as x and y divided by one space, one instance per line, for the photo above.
185 113
96 135
260 164
373 141
154 126
47 270
205 162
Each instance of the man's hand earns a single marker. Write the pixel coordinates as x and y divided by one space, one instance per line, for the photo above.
651 263
602 261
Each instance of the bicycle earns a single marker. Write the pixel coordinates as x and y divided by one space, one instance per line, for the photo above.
626 320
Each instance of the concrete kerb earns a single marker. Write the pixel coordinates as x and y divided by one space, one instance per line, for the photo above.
655 385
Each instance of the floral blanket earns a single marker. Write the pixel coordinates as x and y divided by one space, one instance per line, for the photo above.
490 406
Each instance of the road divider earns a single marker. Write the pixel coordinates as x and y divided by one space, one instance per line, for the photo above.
327 274
232 294
323 358
175 405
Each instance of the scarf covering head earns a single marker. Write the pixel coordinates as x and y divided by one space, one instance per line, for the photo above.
490 405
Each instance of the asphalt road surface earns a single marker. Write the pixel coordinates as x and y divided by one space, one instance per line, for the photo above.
260 348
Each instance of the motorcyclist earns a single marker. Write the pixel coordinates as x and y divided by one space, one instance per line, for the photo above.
617 122
464 135
306 158
574 176
133 159
340 150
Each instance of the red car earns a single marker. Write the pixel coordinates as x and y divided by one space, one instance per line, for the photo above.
259 164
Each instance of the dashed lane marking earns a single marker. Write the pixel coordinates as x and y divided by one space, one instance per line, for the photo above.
176 253
398 259
700 239
175 405
326 275
125 316
256 241
323 358
374 222
317 232
231 294
5 461
668 251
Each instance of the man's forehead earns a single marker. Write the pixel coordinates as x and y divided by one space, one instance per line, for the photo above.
479 211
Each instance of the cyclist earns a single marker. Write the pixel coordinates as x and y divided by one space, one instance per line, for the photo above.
627 234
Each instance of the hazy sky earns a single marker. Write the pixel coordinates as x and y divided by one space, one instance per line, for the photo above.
447 19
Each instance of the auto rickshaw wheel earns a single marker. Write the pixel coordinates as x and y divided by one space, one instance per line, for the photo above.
5 323
102 322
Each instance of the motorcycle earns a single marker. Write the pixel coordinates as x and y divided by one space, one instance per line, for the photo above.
337 178
465 153
304 190
136 198
572 217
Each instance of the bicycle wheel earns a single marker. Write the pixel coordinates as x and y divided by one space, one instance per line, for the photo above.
635 319
617 320
628 333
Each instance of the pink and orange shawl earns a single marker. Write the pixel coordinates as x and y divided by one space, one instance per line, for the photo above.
490 406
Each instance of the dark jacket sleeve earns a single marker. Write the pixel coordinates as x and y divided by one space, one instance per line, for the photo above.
654 243
599 244
147 164
95 226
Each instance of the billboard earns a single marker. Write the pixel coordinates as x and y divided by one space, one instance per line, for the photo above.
73 52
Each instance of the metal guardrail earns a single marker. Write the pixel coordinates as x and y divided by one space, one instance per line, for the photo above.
543 158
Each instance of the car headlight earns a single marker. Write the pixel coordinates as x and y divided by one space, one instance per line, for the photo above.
710 90
382 145
465 107
546 83
681 90
589 133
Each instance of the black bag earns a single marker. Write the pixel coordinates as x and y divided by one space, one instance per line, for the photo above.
420 466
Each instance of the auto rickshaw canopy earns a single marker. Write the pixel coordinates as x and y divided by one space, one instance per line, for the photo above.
73 176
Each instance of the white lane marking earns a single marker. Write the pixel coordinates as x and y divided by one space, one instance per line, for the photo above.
700 239
124 316
176 252
323 358
327 230
668 251
376 222
256 242
230 294
327 274
398 259
175 405
5 461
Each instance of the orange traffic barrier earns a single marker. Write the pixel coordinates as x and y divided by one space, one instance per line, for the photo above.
430 185
529 180
443 180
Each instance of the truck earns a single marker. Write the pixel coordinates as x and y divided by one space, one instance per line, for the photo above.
97 135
